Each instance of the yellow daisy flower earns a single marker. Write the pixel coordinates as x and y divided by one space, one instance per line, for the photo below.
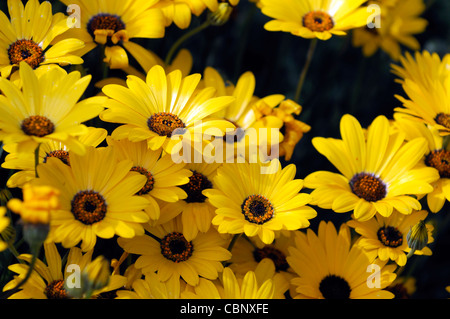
422 68
48 279
29 35
428 96
152 288
162 106
437 156
113 23
398 24
168 253
314 18
164 177
385 237
258 204
25 162
252 285
330 267
378 171
46 108
4 224
244 114
180 12
195 209
97 198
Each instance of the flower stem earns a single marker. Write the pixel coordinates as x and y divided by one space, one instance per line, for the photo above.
301 80
36 159
183 38
233 241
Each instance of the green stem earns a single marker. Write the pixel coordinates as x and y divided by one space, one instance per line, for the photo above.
301 80
183 38
36 159
233 241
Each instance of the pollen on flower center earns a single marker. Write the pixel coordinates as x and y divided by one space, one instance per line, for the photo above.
176 248
318 21
334 287
37 125
164 124
257 209
26 50
440 160
368 187
443 119
61 154
277 256
88 207
55 290
390 236
197 183
105 22
150 180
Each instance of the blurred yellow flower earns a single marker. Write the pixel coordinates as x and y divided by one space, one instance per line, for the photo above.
37 205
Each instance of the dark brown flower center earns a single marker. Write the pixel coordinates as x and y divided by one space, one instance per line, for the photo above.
277 256
257 209
61 154
55 290
150 180
334 287
318 21
176 248
443 119
368 187
37 125
390 236
104 21
88 207
440 160
164 124
197 183
26 50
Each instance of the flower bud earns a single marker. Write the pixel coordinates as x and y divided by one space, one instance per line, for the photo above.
7 231
96 275
221 15
417 237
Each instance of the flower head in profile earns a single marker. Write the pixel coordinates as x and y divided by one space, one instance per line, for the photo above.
329 266
46 108
163 109
113 23
314 18
425 80
378 171
386 237
30 35
97 198
249 201
394 27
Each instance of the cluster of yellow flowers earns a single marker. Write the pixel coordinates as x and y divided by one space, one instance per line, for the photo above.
182 172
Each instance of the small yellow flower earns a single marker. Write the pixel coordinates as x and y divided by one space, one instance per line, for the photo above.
37 204
417 237
96 275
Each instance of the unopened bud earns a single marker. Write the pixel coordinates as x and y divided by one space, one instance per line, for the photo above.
417 237
96 275
221 15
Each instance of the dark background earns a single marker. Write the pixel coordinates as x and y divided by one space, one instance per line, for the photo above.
340 80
